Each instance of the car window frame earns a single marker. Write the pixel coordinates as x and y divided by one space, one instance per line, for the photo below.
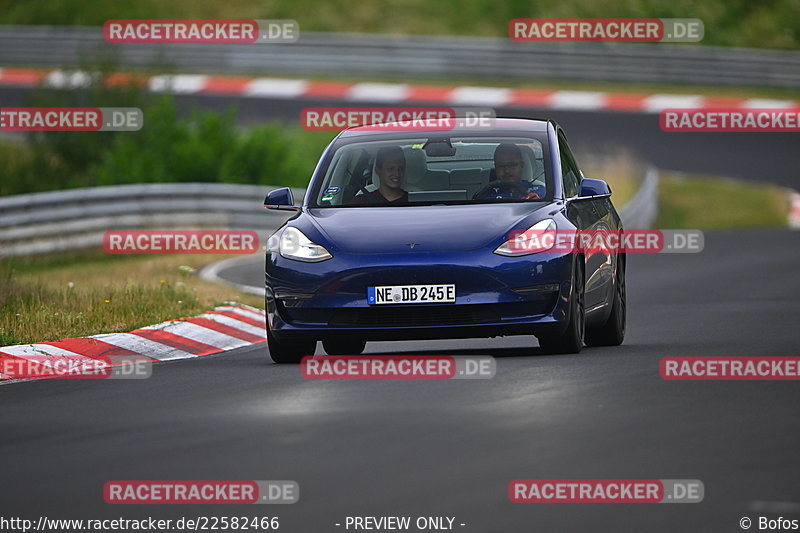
564 151
340 142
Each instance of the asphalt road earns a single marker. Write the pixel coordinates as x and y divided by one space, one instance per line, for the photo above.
750 156
450 448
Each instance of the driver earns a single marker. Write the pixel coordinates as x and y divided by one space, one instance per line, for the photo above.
508 165
390 166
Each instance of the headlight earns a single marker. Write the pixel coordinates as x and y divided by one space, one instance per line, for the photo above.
538 238
293 244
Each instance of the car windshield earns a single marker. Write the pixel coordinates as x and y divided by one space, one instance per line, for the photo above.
435 170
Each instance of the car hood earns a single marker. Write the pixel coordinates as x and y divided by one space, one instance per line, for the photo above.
437 228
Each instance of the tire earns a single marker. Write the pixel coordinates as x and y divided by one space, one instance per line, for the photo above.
571 341
612 333
344 347
289 352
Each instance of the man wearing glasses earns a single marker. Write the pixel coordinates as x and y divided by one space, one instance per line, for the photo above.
508 182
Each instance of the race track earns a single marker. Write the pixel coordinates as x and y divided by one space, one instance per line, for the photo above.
450 448
763 157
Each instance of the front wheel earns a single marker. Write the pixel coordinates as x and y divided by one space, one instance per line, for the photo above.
344 347
571 341
612 333
283 352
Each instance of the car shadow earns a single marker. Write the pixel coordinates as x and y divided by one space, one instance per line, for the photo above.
494 352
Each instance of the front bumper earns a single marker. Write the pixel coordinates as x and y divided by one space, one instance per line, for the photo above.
495 296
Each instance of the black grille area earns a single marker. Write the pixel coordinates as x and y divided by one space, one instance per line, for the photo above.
415 316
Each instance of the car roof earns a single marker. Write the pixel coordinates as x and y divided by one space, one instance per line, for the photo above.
500 125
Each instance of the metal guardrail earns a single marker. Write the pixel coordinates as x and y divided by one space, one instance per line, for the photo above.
641 211
78 218
403 56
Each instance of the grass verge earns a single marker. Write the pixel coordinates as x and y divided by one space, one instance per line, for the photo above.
620 170
75 294
698 202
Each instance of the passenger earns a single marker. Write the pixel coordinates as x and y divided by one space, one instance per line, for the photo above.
508 183
390 166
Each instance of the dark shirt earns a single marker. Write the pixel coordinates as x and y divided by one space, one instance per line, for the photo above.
375 198
524 190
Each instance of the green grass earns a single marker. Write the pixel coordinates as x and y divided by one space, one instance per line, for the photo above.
74 294
699 202
764 24
621 170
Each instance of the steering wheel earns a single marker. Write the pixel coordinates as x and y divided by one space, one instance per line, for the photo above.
517 187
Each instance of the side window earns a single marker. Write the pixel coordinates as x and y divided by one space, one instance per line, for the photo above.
569 168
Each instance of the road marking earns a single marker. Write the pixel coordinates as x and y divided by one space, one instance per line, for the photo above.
135 343
241 310
178 83
491 96
580 100
228 330
276 88
234 323
61 79
42 353
658 102
225 328
764 103
207 336
378 92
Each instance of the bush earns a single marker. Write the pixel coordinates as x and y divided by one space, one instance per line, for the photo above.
205 146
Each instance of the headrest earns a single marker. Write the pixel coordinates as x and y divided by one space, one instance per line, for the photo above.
416 165
530 161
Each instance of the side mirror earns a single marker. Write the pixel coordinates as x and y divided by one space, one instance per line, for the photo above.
592 188
281 199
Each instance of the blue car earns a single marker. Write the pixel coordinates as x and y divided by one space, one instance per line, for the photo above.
409 234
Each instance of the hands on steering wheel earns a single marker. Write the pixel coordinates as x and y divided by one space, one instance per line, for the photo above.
518 187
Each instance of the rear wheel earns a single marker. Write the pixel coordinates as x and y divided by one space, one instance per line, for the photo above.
284 352
612 333
344 347
571 341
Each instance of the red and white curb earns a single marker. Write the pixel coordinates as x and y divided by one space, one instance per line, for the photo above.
393 93
225 328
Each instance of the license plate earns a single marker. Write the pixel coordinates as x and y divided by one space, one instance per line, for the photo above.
411 294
